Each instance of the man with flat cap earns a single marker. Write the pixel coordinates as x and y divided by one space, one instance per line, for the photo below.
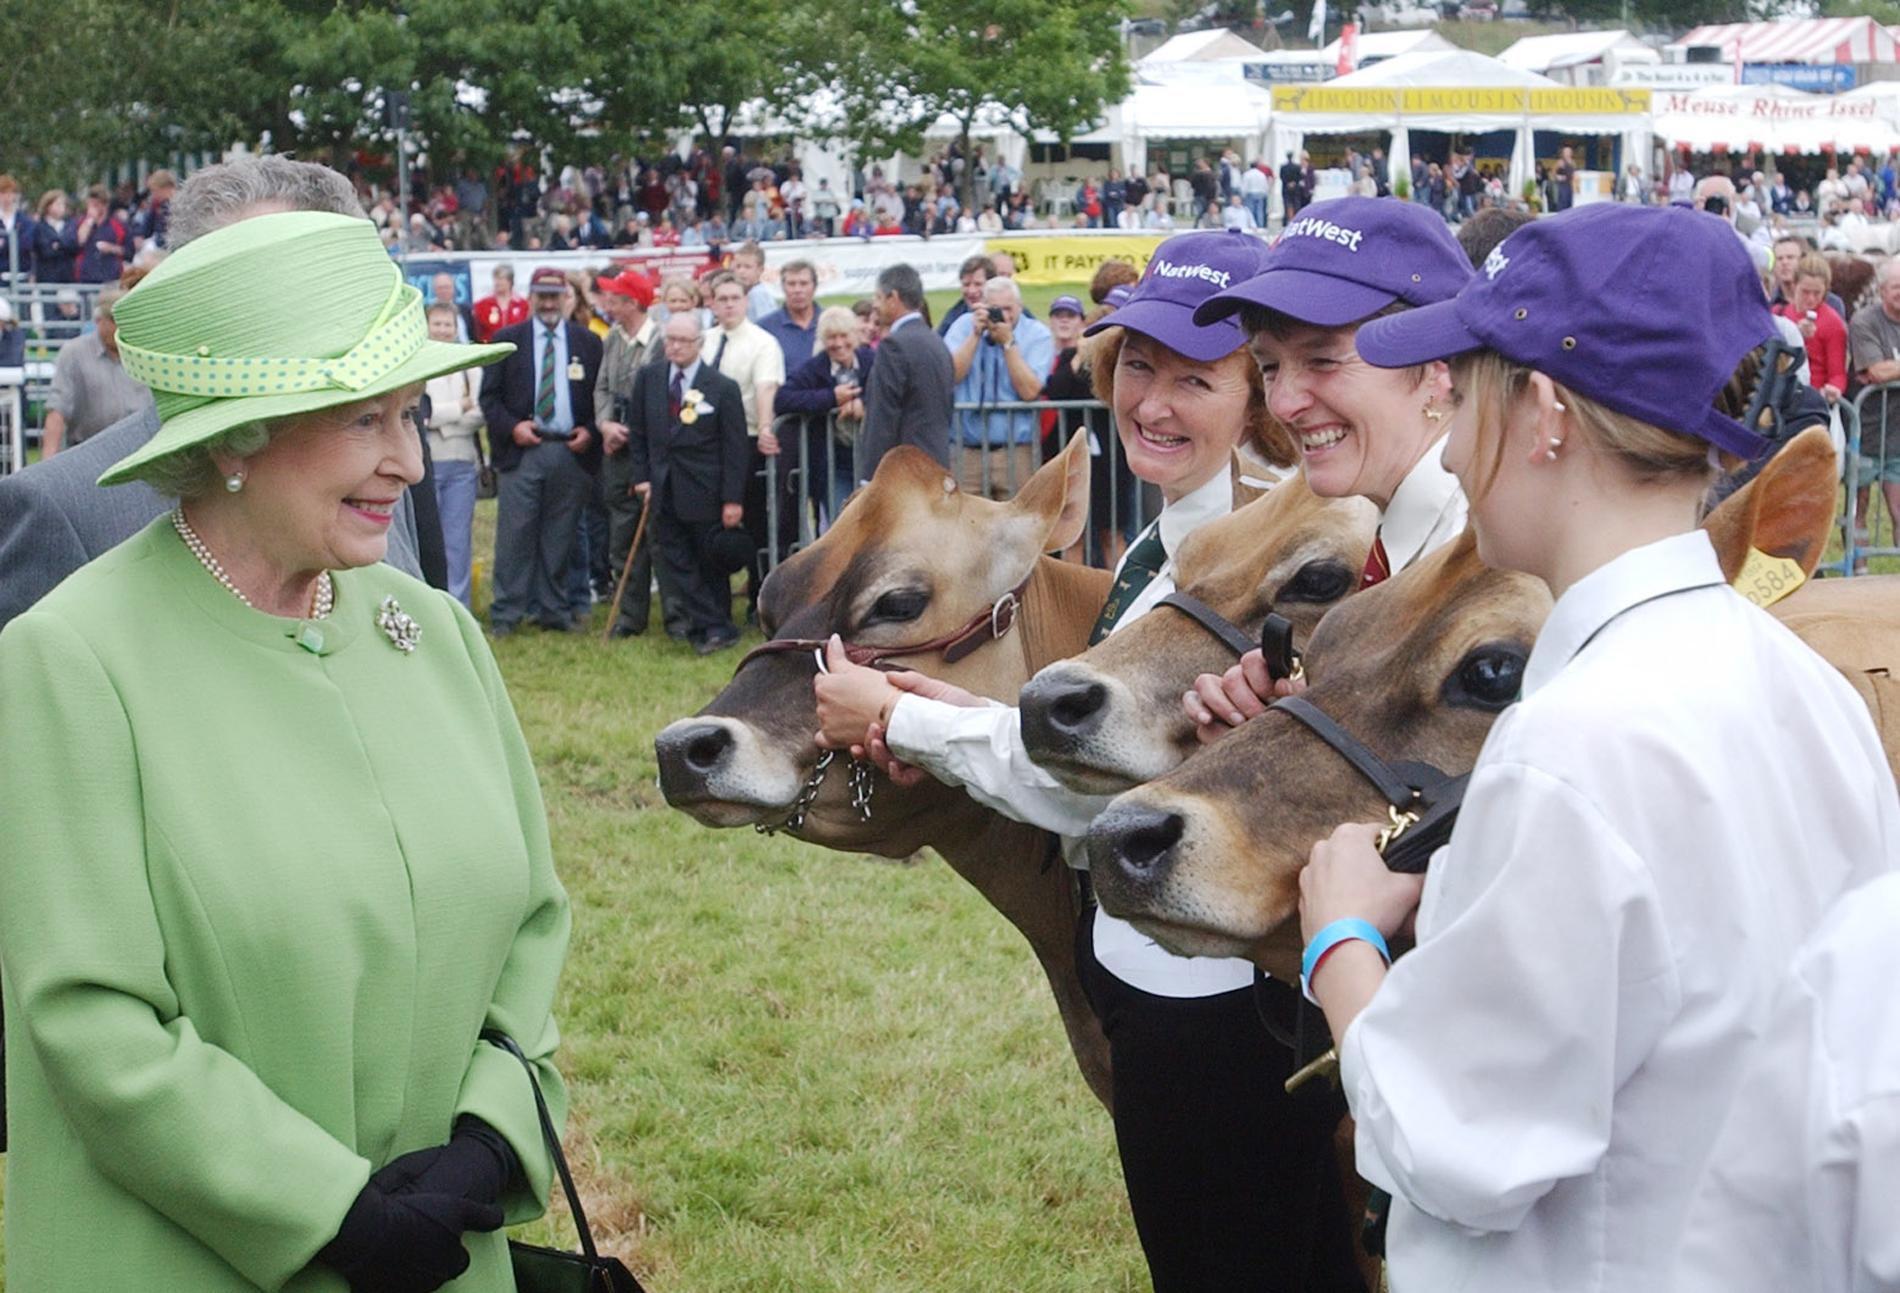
539 405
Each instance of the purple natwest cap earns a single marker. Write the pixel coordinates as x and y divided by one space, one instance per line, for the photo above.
1072 304
1347 259
1184 271
1556 296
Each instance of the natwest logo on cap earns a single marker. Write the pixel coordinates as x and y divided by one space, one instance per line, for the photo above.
1494 263
1313 227
1168 269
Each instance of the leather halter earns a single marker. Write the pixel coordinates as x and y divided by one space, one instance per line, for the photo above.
1423 799
987 626
1276 634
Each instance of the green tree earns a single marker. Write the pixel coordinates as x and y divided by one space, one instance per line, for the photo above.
900 65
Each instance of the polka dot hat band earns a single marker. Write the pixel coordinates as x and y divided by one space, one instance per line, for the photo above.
390 342
269 318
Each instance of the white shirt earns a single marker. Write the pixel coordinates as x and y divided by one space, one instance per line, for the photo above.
1240 218
1253 182
752 355
1646 838
1803 1186
1427 511
982 751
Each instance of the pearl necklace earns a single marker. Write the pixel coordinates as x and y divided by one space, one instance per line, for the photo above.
322 601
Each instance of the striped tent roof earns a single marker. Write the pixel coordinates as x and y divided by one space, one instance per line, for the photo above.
1801 40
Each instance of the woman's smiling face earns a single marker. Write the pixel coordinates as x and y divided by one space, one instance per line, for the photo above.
1179 418
1359 429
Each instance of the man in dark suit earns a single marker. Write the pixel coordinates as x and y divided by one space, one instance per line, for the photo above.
686 434
53 517
539 405
908 398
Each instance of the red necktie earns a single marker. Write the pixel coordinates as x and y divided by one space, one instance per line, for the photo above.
1378 567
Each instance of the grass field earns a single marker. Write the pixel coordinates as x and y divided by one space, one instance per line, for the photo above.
791 1068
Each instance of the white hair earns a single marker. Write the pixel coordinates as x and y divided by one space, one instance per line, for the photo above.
1003 287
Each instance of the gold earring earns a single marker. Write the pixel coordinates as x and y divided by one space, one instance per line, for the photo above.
1434 414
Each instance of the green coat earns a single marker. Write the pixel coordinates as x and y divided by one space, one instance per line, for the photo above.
256 903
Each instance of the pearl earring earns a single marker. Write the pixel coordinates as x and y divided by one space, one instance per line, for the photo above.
1556 443
234 482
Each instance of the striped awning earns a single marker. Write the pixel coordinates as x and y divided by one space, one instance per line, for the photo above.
1801 40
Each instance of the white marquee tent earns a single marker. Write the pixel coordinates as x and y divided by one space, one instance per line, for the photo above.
1776 119
1578 57
1457 70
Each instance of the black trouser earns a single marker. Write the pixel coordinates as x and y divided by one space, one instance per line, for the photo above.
684 551
537 513
623 518
1233 1183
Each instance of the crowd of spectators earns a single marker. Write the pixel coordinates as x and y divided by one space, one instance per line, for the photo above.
810 377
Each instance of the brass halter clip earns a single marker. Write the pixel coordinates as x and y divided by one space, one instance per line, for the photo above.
1327 1065
1397 825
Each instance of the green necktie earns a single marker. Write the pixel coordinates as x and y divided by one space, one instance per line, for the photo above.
544 389
1139 567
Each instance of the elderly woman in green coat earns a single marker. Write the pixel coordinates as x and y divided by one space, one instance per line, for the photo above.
273 857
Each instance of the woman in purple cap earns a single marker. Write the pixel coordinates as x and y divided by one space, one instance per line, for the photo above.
1682 790
1231 1183
1361 430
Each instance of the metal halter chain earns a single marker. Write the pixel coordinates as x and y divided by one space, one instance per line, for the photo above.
861 788
862 783
321 602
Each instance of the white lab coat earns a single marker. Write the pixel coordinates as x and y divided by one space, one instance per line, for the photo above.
1802 1190
1646 838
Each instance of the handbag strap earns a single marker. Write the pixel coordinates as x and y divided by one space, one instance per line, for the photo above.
495 1037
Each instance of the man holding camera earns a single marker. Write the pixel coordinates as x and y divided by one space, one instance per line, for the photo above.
998 356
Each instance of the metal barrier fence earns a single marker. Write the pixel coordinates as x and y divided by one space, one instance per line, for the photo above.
815 471
51 314
1870 423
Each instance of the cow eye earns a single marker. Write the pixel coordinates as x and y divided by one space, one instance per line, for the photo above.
1318 581
1489 678
899 606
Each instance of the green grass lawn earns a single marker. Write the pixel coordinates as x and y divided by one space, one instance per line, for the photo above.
791 1068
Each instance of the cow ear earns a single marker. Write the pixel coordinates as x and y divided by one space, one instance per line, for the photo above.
1058 496
1786 511
1246 488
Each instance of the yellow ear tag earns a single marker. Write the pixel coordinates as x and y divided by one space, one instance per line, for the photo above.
1765 580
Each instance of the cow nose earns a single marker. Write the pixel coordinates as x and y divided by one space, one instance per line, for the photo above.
689 754
1134 840
1059 710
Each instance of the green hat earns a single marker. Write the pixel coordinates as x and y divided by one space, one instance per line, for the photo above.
269 317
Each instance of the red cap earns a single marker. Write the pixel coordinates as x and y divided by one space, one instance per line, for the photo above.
548 279
629 282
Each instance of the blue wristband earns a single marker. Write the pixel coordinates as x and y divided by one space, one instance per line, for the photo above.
1349 930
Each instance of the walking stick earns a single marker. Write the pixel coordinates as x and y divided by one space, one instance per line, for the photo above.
639 532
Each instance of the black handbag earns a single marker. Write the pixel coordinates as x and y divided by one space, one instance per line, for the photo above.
554 1270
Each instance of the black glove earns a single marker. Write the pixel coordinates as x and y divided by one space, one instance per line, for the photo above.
476 1164
405 1244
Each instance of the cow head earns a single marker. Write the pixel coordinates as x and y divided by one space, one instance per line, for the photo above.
1111 718
1206 860
910 558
